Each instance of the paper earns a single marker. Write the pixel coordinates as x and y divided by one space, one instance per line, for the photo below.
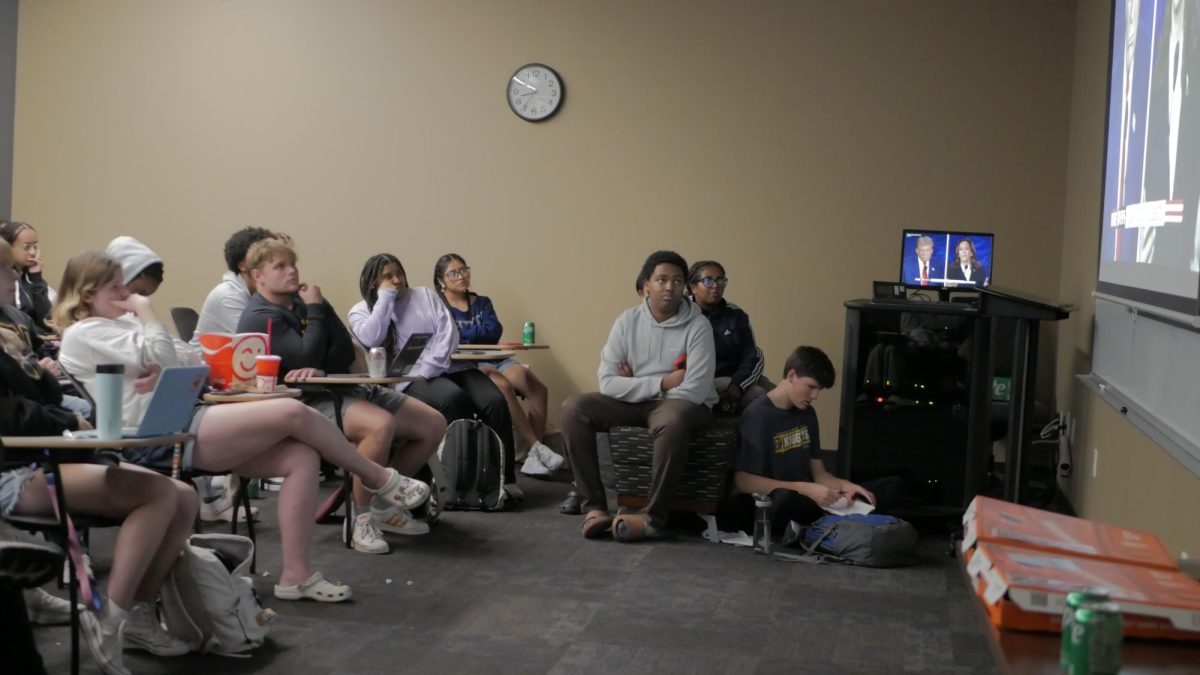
733 538
848 507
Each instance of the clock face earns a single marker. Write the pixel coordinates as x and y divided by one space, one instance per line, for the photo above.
534 92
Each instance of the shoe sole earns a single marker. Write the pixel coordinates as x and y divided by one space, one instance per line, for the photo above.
89 625
133 643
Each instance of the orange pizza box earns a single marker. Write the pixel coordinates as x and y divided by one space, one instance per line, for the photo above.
997 521
1026 589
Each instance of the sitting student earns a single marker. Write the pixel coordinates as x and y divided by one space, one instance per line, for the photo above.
141 268
478 324
391 312
739 379
227 301
387 426
641 386
33 295
780 452
157 512
279 437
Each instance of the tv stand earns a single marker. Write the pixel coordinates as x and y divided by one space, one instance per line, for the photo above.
917 392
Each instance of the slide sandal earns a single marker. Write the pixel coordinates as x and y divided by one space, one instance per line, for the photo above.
315 588
596 524
634 527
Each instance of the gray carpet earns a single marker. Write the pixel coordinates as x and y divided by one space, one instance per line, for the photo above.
522 592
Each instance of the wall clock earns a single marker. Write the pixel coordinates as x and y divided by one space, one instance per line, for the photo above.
535 92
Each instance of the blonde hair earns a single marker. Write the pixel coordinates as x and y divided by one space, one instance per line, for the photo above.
266 250
86 273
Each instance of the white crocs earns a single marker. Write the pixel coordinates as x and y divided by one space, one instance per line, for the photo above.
315 588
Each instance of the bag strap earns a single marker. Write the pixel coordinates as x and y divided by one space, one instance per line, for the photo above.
73 548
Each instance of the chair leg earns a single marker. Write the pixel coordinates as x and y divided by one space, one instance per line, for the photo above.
243 502
348 499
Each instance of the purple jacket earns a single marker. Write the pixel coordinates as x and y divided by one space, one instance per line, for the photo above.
419 310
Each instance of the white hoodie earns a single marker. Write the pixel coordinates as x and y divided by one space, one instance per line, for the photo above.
651 349
133 256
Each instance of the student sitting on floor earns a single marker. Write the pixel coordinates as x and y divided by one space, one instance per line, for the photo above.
279 437
390 313
33 295
227 301
641 385
739 375
780 453
387 426
157 512
478 324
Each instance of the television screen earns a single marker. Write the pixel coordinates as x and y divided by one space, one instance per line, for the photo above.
942 259
1149 242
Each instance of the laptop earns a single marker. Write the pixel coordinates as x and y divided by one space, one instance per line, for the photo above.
407 357
171 405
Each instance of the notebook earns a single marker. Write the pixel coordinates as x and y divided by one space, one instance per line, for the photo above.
171 404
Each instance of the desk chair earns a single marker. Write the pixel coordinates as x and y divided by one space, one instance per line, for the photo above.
185 319
55 528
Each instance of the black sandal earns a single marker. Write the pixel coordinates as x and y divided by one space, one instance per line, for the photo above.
572 505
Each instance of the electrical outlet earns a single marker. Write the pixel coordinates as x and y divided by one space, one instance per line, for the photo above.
1095 460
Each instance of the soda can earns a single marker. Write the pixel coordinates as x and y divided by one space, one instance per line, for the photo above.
528 335
377 362
1075 598
1094 646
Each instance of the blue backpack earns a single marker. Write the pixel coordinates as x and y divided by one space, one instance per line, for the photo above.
869 540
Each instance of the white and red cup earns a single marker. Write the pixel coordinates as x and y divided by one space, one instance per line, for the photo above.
266 369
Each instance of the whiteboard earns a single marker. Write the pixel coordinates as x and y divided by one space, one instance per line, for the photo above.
1148 367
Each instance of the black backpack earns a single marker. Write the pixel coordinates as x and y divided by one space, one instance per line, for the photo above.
473 461
870 540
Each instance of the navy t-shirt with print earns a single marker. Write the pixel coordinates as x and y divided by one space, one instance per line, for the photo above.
778 443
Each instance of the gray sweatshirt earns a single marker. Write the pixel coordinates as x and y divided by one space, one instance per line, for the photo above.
651 348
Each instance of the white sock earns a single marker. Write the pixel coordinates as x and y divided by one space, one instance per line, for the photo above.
113 615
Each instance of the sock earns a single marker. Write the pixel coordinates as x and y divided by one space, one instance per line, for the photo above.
113 615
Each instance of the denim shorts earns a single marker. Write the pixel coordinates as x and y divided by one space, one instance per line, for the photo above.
161 456
501 365
12 483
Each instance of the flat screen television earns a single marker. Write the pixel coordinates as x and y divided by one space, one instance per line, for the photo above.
946 260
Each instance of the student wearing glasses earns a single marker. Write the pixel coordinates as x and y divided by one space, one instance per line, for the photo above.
477 325
33 295
739 374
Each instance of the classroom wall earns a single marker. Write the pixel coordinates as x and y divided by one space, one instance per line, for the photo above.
790 140
8 75
1135 483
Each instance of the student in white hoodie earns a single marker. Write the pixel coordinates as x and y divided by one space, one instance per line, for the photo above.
141 267
227 301
644 383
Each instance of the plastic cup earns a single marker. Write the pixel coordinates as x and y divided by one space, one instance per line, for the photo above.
266 370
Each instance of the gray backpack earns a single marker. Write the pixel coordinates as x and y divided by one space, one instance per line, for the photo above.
870 540
208 599
473 467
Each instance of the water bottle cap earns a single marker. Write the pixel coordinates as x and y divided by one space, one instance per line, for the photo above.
762 500
111 368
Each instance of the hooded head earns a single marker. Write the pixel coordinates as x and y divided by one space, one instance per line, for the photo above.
141 267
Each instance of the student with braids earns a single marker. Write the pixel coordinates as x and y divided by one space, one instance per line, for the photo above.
390 312
739 376
478 324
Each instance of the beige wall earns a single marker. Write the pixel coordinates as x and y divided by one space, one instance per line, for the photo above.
1136 483
791 140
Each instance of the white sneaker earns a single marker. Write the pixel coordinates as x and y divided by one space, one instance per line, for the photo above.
399 490
105 640
47 610
272 484
549 458
533 466
143 631
87 567
366 537
221 510
400 521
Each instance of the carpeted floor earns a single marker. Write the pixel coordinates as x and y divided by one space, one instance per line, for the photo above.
522 592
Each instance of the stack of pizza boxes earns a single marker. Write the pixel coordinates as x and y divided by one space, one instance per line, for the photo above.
1023 561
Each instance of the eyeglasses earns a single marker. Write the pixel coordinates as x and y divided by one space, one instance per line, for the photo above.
719 282
458 273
